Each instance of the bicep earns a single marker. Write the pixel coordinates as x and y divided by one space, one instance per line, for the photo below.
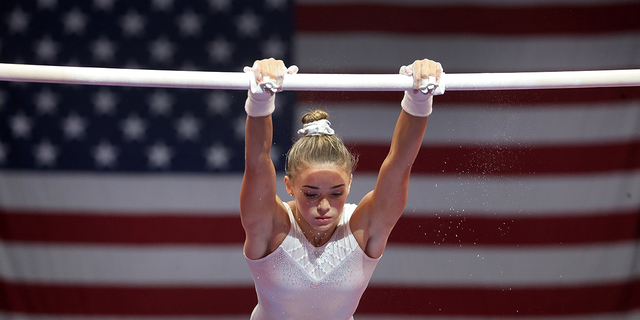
258 198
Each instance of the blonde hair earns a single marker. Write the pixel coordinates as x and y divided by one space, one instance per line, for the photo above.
318 150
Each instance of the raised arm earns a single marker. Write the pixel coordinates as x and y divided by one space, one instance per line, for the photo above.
260 208
379 210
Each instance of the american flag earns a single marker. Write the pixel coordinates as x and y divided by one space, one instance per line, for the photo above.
123 202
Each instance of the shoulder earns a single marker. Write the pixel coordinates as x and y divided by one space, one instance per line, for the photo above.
348 210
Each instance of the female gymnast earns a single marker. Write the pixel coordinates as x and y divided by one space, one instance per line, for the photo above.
312 257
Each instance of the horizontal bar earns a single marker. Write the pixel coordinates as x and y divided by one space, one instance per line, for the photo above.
315 82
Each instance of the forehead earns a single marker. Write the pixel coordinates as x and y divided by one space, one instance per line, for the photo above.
322 176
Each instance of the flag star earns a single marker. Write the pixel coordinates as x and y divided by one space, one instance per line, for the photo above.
105 155
248 24
220 50
18 20
74 127
220 5
189 23
239 127
133 128
274 47
132 24
280 103
45 154
75 21
103 49
276 4
46 49
3 99
162 5
3 153
217 156
189 66
21 126
46 102
218 102
47 4
162 50
160 103
159 155
275 154
104 101
188 127
73 62
105 5
133 64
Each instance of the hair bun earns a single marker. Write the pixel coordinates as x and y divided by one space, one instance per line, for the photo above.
314 116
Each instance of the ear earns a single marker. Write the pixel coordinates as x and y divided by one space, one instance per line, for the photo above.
288 185
349 185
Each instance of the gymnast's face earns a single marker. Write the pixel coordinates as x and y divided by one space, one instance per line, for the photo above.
320 193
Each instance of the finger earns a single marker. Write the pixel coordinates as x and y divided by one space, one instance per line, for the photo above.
271 71
257 71
431 70
438 71
292 69
406 70
432 74
417 72
280 71
271 74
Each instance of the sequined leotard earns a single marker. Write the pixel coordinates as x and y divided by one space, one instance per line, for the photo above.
300 281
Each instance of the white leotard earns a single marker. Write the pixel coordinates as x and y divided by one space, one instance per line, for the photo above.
300 281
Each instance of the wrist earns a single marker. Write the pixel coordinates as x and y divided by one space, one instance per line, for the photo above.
417 104
260 104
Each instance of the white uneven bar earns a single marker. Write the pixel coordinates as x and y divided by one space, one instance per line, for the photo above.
315 82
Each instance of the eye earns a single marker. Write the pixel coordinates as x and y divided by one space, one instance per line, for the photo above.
310 195
337 194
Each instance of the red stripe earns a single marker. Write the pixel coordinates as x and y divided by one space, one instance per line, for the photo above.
426 229
183 301
502 20
506 301
513 98
119 229
481 230
511 160
126 300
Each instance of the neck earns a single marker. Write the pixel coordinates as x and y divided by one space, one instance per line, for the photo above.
317 238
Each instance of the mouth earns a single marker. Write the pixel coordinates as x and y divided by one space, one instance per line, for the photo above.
323 219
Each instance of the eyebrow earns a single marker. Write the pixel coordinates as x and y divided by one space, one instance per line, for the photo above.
316 188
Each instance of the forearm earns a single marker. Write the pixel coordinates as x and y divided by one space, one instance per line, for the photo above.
407 140
258 140
393 181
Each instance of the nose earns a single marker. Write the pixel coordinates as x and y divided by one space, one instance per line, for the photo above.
323 206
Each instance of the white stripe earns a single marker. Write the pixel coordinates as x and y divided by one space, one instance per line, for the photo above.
483 266
382 53
499 125
458 195
154 194
125 265
465 2
525 195
225 266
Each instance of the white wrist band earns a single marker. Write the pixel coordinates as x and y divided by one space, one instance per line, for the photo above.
418 104
260 104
